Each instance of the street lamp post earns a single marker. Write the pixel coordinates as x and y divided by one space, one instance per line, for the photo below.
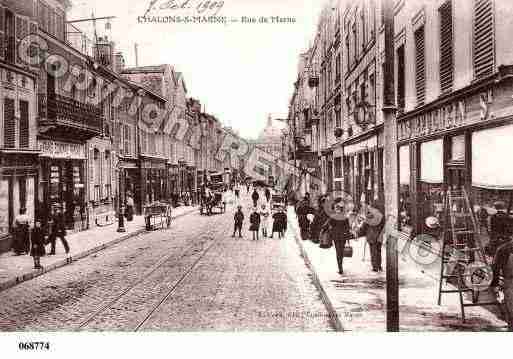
391 180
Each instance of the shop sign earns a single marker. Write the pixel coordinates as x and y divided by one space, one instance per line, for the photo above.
365 145
461 112
58 149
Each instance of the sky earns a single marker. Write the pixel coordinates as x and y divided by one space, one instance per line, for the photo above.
241 73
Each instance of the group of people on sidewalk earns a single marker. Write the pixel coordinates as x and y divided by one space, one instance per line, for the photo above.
335 223
262 218
33 241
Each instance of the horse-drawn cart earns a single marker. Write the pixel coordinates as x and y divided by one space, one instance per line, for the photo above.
157 214
213 199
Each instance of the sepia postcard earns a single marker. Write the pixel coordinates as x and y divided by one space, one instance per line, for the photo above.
282 166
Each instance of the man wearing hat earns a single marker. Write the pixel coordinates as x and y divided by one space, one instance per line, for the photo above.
238 219
499 228
58 230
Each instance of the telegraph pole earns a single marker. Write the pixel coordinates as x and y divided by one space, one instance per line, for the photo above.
391 179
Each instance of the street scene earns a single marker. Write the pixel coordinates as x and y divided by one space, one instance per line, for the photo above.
356 180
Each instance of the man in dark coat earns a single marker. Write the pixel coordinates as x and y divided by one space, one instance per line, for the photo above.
500 230
267 194
319 220
238 219
303 210
255 197
38 244
58 230
372 229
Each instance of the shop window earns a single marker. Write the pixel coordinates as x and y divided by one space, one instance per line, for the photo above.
492 180
405 201
22 184
431 194
97 175
338 167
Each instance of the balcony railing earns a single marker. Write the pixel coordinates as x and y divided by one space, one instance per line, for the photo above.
66 112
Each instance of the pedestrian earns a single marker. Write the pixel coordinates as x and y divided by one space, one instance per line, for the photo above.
255 197
279 223
320 218
338 232
38 244
303 209
372 228
247 188
238 220
266 220
21 238
237 191
503 266
500 230
254 220
267 194
58 231
129 207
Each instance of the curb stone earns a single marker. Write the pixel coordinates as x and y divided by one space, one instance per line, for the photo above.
333 315
63 262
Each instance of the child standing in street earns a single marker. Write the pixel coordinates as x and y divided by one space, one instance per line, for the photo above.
254 219
238 221
38 244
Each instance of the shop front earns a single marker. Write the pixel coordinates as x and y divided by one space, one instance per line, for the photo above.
62 182
173 183
18 178
129 182
154 176
462 142
362 168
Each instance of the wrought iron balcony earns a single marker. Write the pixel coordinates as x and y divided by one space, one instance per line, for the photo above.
65 115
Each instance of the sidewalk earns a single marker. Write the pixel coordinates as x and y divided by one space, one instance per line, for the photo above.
17 269
359 296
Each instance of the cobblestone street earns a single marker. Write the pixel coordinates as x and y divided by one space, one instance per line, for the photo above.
202 277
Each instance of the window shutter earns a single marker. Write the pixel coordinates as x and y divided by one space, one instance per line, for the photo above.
24 124
2 33
127 139
9 124
51 21
420 69
22 31
121 139
446 61
483 38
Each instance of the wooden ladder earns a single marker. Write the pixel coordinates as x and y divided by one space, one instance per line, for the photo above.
462 249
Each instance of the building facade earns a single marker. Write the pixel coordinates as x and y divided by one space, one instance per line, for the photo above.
455 119
453 97
18 121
